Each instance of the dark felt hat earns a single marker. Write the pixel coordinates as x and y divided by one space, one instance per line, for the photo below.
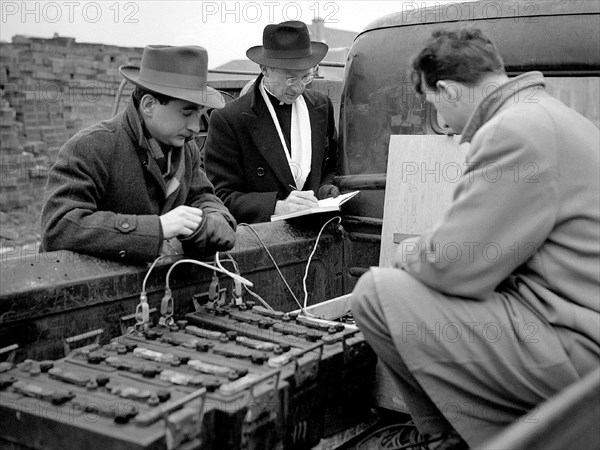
179 72
287 45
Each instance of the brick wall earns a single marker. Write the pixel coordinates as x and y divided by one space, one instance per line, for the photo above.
50 89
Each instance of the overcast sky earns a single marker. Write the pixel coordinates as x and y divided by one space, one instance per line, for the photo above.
226 28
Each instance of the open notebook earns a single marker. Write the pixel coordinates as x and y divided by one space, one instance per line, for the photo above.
325 205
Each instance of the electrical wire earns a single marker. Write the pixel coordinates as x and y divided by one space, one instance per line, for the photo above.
250 291
259 298
208 266
218 267
235 276
232 261
142 310
274 263
339 219
150 270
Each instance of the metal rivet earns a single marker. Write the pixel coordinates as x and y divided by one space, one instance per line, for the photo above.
260 172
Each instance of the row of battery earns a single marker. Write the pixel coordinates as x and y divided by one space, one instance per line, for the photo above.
186 385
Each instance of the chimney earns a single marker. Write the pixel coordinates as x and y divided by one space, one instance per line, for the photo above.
318 28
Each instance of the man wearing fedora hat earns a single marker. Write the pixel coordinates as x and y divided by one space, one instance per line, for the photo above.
274 150
123 186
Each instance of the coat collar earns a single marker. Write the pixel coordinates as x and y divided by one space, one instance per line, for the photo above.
148 149
265 137
497 98
256 99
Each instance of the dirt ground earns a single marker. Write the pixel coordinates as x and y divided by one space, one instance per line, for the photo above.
20 226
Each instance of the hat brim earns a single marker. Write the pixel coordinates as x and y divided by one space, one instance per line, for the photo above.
206 97
318 52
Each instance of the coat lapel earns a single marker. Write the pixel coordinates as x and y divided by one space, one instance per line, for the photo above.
318 126
135 130
265 138
157 175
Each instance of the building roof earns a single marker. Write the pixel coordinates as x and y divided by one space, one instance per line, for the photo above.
332 37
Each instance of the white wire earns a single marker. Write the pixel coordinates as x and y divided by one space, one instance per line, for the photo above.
208 266
232 261
309 259
235 276
259 298
274 263
150 270
250 291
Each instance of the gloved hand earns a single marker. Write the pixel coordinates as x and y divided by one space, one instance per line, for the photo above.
327 190
219 234
215 234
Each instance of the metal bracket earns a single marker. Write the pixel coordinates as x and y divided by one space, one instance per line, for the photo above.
167 309
255 411
183 423
11 350
309 370
350 353
197 299
129 317
80 337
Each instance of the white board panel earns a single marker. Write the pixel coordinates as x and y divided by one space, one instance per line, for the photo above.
422 173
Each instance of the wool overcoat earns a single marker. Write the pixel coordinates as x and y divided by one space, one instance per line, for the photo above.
105 194
245 159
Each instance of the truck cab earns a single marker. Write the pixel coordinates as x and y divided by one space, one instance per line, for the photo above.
558 38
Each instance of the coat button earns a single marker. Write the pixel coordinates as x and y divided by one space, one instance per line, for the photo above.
125 225
122 253
260 172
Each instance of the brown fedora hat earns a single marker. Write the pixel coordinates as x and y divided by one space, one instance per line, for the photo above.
179 72
287 45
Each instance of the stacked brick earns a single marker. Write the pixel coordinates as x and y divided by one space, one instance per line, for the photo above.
50 89
14 163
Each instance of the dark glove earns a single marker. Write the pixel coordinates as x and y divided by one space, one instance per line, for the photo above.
326 191
214 234
219 234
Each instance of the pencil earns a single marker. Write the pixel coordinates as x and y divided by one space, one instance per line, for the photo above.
293 187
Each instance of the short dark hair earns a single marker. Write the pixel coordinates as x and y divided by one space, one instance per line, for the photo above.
462 55
139 92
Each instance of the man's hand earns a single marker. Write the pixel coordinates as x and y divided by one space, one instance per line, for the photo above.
296 201
219 233
181 221
327 190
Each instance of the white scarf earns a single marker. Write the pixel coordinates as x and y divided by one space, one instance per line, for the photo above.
300 157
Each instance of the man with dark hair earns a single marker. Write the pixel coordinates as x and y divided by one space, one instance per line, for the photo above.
478 338
123 186
274 149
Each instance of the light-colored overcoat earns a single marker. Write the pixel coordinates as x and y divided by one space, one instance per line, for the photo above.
497 308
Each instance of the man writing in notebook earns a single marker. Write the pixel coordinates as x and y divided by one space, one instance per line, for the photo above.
274 150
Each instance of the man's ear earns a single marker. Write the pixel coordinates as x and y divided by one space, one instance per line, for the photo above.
147 104
451 90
